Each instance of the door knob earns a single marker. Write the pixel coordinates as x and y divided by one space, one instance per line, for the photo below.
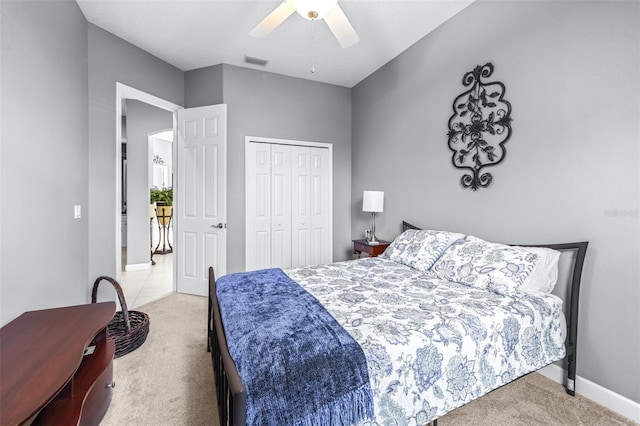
219 226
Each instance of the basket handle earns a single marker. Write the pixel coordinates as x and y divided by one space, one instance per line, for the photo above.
123 303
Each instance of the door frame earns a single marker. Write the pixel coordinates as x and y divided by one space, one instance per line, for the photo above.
124 92
260 139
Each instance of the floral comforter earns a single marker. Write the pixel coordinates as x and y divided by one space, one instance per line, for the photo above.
432 345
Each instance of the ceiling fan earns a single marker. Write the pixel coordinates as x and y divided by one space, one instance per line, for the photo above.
313 10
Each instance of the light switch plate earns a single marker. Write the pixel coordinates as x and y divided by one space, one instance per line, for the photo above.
77 212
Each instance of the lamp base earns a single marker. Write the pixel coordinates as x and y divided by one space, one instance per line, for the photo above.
373 241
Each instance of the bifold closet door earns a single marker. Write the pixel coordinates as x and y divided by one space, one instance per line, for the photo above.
300 206
310 206
281 205
321 210
288 208
258 208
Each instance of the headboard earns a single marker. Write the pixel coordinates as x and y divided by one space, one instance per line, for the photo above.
407 225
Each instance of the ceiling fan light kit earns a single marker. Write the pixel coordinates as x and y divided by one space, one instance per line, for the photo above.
312 10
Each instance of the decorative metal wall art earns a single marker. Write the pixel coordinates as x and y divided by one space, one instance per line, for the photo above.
479 127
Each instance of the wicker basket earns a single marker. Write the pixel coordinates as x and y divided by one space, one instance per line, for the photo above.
128 329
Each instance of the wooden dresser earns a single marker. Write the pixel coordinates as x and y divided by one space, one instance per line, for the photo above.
56 366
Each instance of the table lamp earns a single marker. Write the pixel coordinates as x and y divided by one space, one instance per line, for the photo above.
373 201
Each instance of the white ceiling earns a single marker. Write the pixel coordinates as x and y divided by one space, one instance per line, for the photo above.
191 34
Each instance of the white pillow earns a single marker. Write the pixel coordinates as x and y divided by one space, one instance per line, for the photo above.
544 276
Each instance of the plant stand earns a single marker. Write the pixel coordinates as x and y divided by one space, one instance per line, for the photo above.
153 262
164 214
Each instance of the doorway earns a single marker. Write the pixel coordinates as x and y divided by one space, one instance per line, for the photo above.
143 277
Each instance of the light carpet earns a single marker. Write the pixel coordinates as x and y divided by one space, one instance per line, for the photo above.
169 381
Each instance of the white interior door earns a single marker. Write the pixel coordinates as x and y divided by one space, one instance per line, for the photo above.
201 199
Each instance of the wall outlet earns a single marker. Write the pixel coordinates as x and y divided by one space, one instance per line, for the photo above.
77 212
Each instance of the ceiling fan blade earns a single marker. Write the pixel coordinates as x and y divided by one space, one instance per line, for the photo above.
275 18
341 27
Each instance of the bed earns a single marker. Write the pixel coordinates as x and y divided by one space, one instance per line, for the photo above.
440 318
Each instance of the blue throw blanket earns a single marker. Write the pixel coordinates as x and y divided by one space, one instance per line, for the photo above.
297 363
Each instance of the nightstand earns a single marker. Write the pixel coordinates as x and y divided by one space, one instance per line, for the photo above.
373 250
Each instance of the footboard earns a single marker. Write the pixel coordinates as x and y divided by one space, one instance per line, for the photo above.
232 397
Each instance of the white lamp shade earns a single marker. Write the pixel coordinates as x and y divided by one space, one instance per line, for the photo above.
373 201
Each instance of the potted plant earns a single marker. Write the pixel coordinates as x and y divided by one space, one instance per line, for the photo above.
162 196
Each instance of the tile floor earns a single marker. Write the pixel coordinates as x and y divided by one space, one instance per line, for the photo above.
141 287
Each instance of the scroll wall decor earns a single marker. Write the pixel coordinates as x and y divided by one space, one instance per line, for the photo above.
479 127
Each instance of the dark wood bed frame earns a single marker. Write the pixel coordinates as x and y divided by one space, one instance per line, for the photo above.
231 394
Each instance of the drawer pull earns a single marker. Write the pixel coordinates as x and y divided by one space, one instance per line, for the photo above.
111 385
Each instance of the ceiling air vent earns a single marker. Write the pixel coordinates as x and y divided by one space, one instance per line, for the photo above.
255 61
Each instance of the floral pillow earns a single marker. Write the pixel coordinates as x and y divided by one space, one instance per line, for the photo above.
419 248
491 266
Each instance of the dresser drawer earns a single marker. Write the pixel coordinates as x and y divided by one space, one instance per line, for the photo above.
98 399
91 389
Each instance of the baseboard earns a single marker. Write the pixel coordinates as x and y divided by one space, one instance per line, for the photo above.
137 266
601 395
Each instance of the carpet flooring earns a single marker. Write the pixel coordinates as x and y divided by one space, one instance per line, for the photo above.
169 381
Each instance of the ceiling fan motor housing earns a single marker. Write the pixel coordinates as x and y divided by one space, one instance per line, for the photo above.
313 9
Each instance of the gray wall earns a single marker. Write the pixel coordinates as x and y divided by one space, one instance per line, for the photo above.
275 106
204 86
43 171
572 167
112 60
142 119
